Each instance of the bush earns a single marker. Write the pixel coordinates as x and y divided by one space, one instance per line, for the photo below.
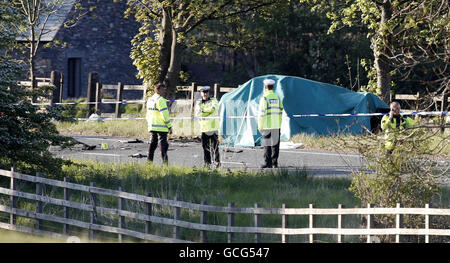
409 175
75 110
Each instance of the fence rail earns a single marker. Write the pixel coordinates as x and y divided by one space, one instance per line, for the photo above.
176 222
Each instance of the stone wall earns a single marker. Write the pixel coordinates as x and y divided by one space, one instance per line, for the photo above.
101 40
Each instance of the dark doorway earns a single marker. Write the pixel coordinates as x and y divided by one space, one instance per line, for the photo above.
74 77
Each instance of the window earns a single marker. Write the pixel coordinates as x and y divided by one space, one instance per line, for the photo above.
74 78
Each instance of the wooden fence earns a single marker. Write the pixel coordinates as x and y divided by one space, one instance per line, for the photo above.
176 223
418 97
95 93
56 79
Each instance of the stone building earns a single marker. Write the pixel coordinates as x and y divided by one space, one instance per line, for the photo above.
99 42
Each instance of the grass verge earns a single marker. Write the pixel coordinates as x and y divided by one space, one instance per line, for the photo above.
218 188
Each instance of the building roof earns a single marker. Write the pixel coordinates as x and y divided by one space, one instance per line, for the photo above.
54 22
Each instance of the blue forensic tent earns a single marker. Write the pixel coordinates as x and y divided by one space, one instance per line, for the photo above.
239 109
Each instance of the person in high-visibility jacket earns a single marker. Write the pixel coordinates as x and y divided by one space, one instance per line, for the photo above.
269 124
159 124
392 124
209 124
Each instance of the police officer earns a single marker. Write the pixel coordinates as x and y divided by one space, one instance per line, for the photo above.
159 124
392 124
269 124
209 123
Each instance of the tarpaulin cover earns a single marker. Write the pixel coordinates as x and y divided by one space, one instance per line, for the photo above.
239 109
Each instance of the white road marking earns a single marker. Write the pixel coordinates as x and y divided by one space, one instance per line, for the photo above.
307 152
105 154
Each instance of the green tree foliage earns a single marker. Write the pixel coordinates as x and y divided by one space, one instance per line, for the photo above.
26 131
165 27
284 38
403 33
410 175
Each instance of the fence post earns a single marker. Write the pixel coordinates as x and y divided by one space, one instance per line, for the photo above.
340 223
418 98
192 97
93 198
230 224
66 209
55 79
398 223
311 224
192 108
444 106
216 90
119 99
257 219
284 225
13 186
148 211
176 217
39 203
203 221
61 85
427 223
98 96
391 96
33 87
369 222
92 83
120 207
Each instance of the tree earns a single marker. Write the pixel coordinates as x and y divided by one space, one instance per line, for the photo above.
284 38
35 15
403 33
167 26
26 131
410 175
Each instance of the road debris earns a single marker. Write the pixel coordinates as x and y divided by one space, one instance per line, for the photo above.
85 145
137 155
291 145
233 150
131 141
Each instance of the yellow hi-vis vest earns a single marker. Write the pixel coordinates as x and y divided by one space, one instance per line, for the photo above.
209 109
390 129
270 111
158 114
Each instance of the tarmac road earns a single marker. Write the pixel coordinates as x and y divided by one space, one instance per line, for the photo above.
189 153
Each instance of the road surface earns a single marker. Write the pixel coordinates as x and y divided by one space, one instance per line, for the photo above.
190 153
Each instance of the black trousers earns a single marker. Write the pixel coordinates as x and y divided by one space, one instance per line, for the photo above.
210 144
164 145
271 143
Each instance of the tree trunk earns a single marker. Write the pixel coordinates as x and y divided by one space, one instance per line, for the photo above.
249 68
165 40
32 62
383 76
175 65
382 64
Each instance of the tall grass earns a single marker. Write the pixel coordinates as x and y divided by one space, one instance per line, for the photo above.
243 188
126 128
7 236
440 141
218 188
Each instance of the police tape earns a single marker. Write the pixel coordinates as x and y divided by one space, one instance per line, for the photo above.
425 113
98 102
89 103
